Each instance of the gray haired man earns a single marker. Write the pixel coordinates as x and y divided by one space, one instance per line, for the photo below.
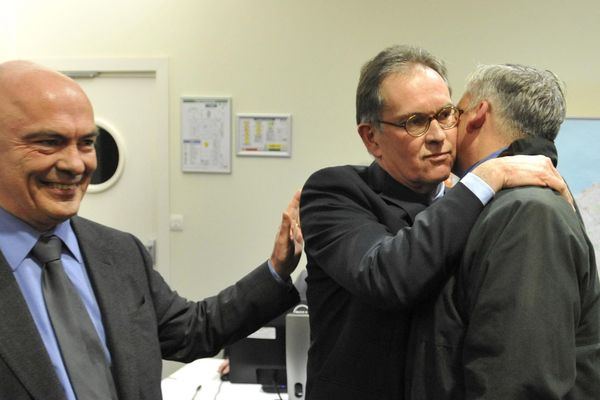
520 318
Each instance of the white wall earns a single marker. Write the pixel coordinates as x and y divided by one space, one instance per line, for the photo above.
296 56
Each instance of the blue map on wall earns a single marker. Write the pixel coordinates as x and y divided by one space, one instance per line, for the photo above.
578 145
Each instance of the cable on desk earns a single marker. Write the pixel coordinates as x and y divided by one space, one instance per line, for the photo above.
196 392
218 389
276 387
278 393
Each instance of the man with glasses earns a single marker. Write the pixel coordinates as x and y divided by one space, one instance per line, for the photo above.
376 245
520 318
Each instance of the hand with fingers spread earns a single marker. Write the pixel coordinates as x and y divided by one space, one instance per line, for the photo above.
289 242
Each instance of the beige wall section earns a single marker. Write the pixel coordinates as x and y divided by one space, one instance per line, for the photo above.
296 56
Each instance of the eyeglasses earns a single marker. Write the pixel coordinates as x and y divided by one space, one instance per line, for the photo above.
418 124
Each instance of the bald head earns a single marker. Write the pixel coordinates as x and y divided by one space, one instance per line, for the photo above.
25 76
26 86
47 136
15 70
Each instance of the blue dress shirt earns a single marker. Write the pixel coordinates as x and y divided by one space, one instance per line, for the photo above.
481 189
16 241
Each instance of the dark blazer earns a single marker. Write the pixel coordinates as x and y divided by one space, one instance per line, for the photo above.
373 254
520 318
144 319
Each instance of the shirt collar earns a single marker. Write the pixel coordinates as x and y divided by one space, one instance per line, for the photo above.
440 191
488 157
17 238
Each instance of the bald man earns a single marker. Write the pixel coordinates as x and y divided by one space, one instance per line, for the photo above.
47 156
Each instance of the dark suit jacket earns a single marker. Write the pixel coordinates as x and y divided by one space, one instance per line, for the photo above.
144 319
520 319
372 253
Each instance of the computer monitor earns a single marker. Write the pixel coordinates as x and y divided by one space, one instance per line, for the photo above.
260 357
297 342
274 356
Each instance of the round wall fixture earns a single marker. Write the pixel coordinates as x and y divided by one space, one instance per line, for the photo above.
110 153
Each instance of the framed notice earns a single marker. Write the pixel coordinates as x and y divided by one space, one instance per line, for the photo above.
206 134
264 135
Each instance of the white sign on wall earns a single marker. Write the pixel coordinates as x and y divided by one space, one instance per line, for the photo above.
206 134
265 135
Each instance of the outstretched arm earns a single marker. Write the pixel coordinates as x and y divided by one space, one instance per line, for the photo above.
374 246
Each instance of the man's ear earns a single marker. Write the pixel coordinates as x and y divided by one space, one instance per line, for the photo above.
478 119
369 137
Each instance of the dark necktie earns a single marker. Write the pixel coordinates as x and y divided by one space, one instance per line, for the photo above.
79 343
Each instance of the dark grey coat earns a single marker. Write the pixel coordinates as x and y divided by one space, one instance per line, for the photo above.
373 254
520 319
144 319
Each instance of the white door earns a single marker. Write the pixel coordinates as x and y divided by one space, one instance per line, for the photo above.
130 100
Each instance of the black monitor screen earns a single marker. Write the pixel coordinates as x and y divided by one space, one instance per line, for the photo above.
260 357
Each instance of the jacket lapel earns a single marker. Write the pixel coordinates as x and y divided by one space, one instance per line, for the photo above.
396 193
107 281
21 346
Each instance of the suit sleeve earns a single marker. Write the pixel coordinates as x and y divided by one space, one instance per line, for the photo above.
369 247
189 330
521 279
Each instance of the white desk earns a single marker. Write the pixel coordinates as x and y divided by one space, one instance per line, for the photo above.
182 384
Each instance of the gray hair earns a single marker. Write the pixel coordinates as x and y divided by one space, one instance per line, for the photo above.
395 59
528 101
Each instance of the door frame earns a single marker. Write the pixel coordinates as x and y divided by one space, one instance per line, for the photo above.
158 66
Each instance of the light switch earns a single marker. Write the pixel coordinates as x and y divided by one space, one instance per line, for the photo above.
176 223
